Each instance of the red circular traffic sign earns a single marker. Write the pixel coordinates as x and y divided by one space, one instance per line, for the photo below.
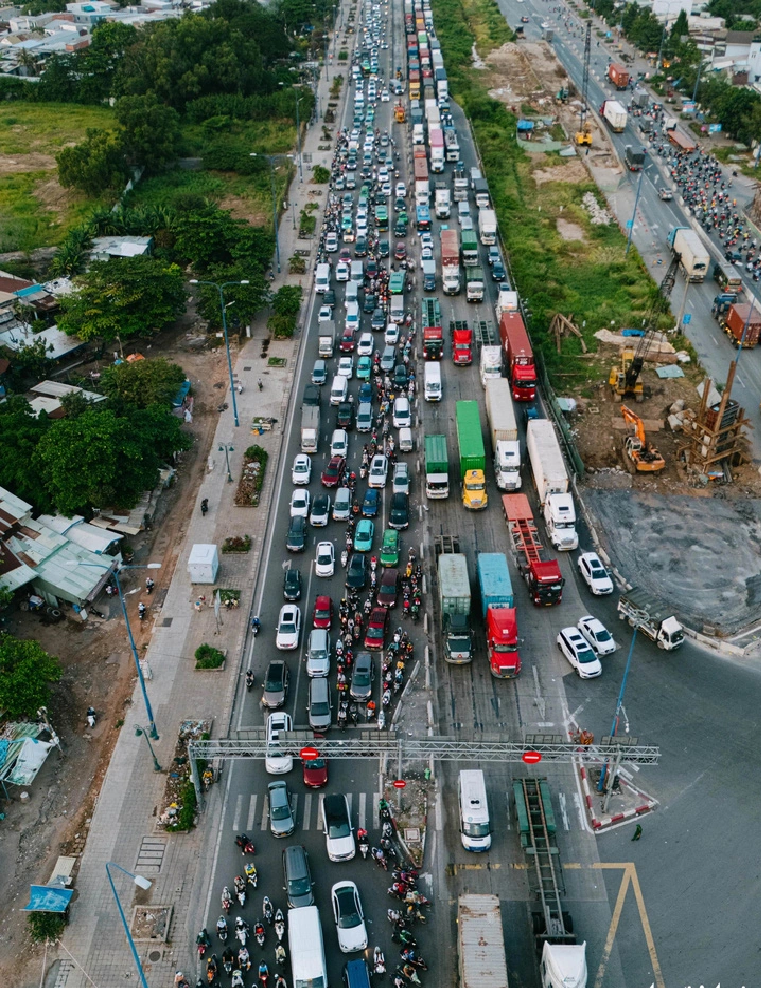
399 784
309 754
532 757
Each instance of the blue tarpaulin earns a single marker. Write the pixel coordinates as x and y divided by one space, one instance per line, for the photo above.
48 899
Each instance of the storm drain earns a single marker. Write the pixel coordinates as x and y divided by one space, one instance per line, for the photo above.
150 856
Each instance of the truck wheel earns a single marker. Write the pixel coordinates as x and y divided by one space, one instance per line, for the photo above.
568 922
660 644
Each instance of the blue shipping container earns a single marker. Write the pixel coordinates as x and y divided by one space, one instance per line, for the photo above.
494 581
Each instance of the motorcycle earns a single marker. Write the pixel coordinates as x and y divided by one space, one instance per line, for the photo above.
267 908
91 717
279 924
141 611
255 626
380 858
241 930
222 928
264 974
244 959
363 843
379 961
149 585
237 981
227 961
204 506
404 937
409 972
246 846
398 890
259 933
240 890
411 957
407 877
417 898
211 968
203 942
227 899
252 875
280 955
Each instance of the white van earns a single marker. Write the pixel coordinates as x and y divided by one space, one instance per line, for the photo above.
339 443
432 381
352 316
475 829
338 390
322 278
308 967
405 441
352 292
357 272
463 210
318 653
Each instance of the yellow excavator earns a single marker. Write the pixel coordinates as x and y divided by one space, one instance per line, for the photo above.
645 457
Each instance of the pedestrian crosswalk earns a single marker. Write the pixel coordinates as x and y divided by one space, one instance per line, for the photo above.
307 810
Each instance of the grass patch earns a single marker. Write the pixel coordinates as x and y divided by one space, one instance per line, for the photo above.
26 223
45 128
208 657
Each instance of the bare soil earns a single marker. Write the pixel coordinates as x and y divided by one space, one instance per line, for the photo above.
10 164
569 231
54 196
242 208
572 172
98 670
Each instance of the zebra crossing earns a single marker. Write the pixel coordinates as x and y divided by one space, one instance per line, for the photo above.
307 811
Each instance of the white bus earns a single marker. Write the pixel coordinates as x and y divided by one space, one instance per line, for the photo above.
475 828
308 966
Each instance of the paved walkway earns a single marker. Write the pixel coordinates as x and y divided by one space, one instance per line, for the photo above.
124 825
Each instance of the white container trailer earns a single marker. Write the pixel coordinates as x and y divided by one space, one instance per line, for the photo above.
490 364
551 482
504 434
203 564
480 942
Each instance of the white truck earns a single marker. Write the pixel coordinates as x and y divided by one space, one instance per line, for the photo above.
443 202
310 428
614 115
418 134
651 618
327 340
504 434
551 482
480 942
694 259
487 226
507 301
490 364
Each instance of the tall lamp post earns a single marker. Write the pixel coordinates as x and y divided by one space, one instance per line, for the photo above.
221 290
270 158
634 212
619 703
142 883
298 137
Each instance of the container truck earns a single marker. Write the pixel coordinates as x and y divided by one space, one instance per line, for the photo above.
436 148
310 428
519 357
469 245
433 336
551 482
618 75
651 617
490 364
472 456
429 274
498 613
614 115
462 342
451 145
487 226
474 284
635 157
436 468
681 141
443 201
507 301
450 262
540 571
418 134
742 323
504 434
459 183
480 942
422 191
481 190
454 602
694 259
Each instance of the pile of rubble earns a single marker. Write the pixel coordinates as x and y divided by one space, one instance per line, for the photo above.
597 215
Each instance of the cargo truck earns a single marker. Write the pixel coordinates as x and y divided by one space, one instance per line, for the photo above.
436 468
474 284
487 226
433 336
539 570
436 148
472 456
681 141
651 618
480 942
519 357
443 201
462 342
469 245
429 274
327 340
507 301
481 191
635 157
454 602
618 75
451 145
694 259
742 323
450 262
498 613
614 115
504 434
552 485
310 428
490 364
459 183
418 134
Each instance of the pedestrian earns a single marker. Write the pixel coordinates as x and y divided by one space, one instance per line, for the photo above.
637 832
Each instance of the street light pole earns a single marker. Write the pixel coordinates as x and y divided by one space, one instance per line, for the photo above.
298 137
226 448
619 702
221 292
142 883
634 212
270 158
133 646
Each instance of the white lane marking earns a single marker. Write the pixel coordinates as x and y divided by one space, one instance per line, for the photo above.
251 812
376 810
238 809
265 813
306 822
563 809
362 815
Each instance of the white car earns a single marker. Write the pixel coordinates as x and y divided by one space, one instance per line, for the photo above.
385 98
400 416
594 574
392 334
342 504
378 471
365 345
401 190
302 469
386 189
325 559
300 502
362 226
331 243
426 254
576 649
325 314
596 634
275 763
342 271
361 213
346 368
401 478
350 920
288 628
383 175
339 443
426 240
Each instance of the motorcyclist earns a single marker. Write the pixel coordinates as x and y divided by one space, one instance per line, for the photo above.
280 954
249 679
255 624
141 609
264 972
244 958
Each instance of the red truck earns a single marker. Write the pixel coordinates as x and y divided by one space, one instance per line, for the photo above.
618 75
462 342
519 357
742 323
433 335
541 573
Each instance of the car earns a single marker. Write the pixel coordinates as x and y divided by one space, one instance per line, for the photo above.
577 650
320 705
295 540
363 535
378 320
329 298
364 369
325 313
399 515
371 269
400 250
346 222
292 584
297 875
384 248
399 377
311 395
388 359
594 574
370 503
342 271
319 373
401 190
322 616
320 511
492 254
400 416
300 501
315 774
400 478
340 183
389 587
392 334
342 504
368 305
356 571
400 228
665 194
331 242
325 557
346 367
365 345
336 825
302 469
339 443
288 628
347 342
365 392
362 677
400 206
426 240
351 182
344 415
498 272
274 762
389 554
376 628
333 473
378 471
364 416
282 823
350 920
360 246
596 634
275 688
344 254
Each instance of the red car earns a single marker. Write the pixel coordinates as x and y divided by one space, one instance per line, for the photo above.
344 254
333 473
400 251
347 342
316 773
376 628
323 612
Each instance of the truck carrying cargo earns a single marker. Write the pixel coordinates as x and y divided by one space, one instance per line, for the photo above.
481 190
310 428
742 323
652 618
450 262
681 141
459 183
327 340
469 245
618 75
540 571
504 434
614 114
498 613
433 336
472 456
694 259
552 485
442 201
462 342
487 226
451 145
480 942
474 284
428 267
436 468
454 601
490 364
635 157
519 357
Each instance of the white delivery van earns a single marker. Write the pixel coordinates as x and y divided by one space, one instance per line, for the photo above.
475 828
357 272
308 967
322 278
352 292
338 390
432 381
405 440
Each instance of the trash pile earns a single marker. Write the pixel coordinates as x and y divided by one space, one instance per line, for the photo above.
598 216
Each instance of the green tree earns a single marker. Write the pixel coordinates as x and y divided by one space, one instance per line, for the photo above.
244 301
286 304
70 257
94 165
26 671
111 41
29 364
20 433
143 382
125 297
681 28
151 135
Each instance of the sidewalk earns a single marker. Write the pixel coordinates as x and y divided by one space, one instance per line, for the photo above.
124 826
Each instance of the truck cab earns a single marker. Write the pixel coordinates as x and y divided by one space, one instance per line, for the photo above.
507 465
474 496
560 519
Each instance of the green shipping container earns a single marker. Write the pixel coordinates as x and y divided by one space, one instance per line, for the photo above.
469 441
436 454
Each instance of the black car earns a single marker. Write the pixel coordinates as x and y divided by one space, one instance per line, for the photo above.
400 376
298 877
399 515
384 248
292 584
369 303
328 298
360 246
345 415
296 539
356 572
311 395
378 320
362 677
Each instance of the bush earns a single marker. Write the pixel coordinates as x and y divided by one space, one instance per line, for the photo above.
208 657
296 265
320 175
187 812
46 926
237 543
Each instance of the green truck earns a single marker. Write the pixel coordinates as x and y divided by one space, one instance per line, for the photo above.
469 248
472 456
454 600
436 467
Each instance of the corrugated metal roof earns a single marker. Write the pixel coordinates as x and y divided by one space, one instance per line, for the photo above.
57 389
482 943
16 339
